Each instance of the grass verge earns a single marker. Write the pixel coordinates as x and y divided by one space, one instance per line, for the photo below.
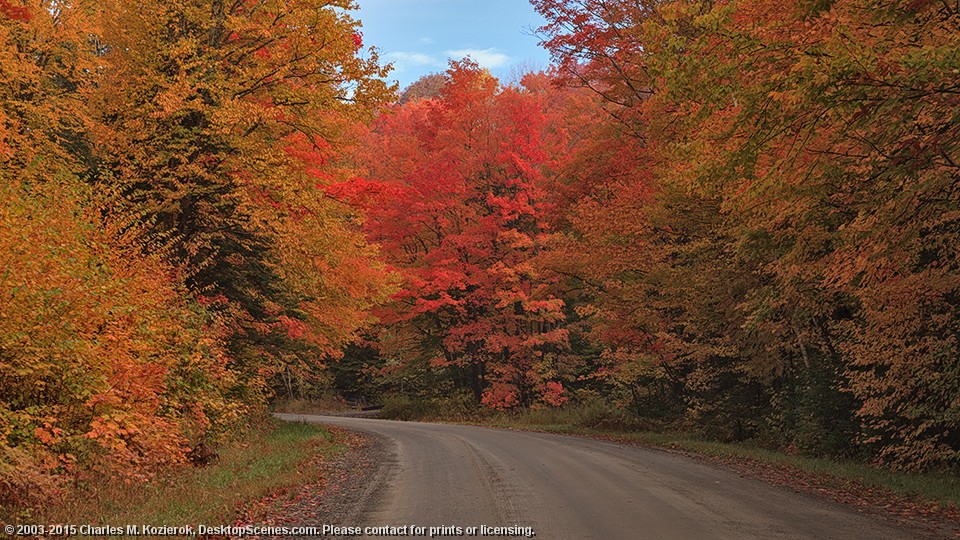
276 457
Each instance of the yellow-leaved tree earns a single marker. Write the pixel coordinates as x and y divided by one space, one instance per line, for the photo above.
224 125
103 365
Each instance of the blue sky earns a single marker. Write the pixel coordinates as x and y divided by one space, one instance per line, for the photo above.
418 36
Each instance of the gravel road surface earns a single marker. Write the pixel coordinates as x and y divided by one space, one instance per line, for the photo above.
559 487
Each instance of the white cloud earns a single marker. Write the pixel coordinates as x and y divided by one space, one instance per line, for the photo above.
402 60
488 58
426 41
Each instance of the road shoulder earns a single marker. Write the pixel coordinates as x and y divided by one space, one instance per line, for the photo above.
353 484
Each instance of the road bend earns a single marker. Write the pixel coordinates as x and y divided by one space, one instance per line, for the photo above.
565 487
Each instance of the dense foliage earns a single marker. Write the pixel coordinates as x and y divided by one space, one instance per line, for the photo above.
461 212
804 273
169 253
735 217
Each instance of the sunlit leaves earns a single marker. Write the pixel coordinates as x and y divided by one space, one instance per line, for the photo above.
168 243
461 215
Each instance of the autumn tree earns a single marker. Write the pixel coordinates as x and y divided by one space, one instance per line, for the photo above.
167 237
824 134
461 216
103 365
855 176
222 124
426 87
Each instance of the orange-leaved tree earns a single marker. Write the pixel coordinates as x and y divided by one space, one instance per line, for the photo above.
221 124
825 135
102 365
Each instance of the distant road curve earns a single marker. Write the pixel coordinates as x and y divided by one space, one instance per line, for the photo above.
574 488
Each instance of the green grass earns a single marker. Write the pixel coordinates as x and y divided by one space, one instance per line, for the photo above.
939 489
277 457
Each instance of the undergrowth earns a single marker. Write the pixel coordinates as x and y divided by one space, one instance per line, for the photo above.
273 458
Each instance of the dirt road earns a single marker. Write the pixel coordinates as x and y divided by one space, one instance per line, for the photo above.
562 487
